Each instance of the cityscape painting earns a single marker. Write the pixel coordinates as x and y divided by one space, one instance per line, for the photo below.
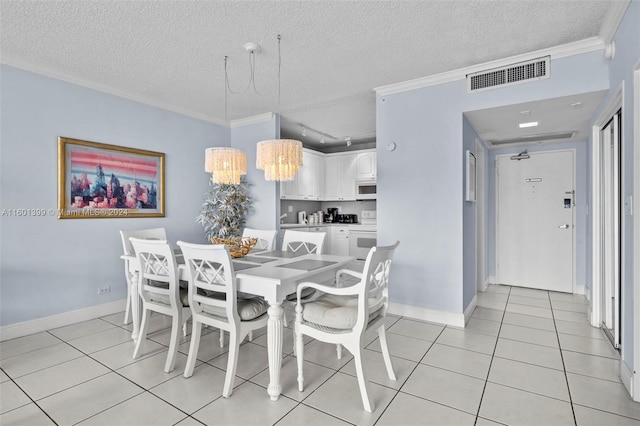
97 180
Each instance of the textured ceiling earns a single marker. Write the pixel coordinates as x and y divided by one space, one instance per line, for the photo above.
171 53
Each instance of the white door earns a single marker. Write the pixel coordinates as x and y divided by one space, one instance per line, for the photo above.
535 235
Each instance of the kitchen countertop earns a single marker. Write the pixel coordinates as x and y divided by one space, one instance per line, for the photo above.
302 225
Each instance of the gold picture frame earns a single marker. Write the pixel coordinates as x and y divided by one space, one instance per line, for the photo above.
97 180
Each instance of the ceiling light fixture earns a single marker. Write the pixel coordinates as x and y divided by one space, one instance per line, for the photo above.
348 140
528 124
279 158
323 136
226 165
576 105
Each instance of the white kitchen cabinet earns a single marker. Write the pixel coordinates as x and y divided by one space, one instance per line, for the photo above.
366 168
309 181
340 173
339 241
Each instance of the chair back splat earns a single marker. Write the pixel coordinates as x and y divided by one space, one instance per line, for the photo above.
266 238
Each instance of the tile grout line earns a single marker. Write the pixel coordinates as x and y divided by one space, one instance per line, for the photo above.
486 380
564 367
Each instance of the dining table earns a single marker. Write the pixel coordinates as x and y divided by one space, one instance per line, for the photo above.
272 275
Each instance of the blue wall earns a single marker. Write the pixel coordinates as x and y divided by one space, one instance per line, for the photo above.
265 212
469 217
51 266
420 184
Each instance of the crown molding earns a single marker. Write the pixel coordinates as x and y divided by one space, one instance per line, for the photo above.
612 20
561 51
251 120
48 72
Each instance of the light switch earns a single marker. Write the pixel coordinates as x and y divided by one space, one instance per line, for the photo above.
289 209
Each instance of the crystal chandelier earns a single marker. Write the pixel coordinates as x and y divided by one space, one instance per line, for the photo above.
226 165
279 158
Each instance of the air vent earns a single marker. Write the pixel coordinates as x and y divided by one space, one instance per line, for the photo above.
534 69
541 137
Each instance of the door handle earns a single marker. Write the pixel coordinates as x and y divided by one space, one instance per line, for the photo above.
565 226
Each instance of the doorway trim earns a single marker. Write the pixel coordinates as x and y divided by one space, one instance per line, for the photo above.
614 105
481 206
635 388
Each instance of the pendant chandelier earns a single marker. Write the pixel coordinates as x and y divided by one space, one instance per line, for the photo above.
279 158
226 165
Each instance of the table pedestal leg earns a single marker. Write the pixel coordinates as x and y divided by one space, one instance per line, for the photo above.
274 347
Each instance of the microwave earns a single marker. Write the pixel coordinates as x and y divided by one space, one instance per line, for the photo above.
366 190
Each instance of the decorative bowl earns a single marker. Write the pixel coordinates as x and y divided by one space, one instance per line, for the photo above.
238 246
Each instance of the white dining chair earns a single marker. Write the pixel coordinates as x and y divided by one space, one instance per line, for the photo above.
266 238
301 242
130 270
343 315
159 289
213 300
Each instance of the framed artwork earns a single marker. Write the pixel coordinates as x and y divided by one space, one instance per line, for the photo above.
97 180
470 187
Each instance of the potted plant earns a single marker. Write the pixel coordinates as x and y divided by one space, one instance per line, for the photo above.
224 210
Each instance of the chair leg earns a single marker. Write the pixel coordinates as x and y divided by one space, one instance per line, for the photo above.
385 352
196 331
251 336
232 363
142 334
176 325
299 349
339 350
298 342
362 381
221 338
127 310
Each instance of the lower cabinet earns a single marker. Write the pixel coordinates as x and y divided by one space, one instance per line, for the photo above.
339 240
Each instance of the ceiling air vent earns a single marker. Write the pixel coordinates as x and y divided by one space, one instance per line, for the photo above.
534 69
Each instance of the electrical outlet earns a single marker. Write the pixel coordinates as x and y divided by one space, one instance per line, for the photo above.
289 209
104 290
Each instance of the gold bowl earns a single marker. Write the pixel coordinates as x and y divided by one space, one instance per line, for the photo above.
238 246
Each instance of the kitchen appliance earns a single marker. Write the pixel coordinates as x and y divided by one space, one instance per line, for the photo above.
363 236
332 212
347 218
302 217
366 190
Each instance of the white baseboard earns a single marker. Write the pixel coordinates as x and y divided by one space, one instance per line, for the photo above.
580 289
26 328
491 279
425 314
626 375
483 286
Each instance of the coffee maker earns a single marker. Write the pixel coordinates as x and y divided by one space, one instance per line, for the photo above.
332 215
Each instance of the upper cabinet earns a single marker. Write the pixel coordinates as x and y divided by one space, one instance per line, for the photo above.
366 166
340 177
330 177
309 181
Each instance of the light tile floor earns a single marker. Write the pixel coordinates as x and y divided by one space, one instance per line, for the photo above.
526 357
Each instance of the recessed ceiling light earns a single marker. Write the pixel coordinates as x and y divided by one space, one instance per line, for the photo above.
525 112
576 105
529 124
